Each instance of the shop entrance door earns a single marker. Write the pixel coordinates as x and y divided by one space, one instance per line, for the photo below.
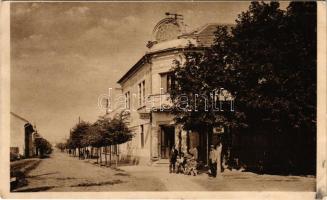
167 140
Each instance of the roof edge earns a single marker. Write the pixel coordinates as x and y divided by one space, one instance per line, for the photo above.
135 66
145 57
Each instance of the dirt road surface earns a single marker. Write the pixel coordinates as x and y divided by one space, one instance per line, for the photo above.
61 172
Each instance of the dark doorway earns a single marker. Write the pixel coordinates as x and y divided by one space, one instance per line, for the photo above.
167 140
142 136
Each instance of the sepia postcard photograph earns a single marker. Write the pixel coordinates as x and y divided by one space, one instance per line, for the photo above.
167 98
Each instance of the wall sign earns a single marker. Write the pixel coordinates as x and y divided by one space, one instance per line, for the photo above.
144 115
218 130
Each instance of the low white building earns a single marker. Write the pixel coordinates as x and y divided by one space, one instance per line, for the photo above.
21 136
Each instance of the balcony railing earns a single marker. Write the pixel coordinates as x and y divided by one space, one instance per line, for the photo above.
158 102
162 102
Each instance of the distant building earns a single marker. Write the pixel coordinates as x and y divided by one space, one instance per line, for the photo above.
21 135
145 87
14 150
29 142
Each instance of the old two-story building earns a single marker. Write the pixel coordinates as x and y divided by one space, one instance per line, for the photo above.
145 88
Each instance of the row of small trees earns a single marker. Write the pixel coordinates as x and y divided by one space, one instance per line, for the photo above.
43 147
105 132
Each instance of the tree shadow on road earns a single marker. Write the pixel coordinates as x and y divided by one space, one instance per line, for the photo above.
50 173
121 174
36 189
98 184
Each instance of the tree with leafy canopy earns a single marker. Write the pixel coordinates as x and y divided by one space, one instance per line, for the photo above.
199 90
275 64
71 146
114 131
76 137
43 146
268 63
275 80
61 146
102 133
94 138
120 131
102 129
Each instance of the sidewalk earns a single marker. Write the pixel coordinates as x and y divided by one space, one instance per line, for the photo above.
19 169
228 181
171 181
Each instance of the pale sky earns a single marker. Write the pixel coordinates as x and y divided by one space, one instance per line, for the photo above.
64 55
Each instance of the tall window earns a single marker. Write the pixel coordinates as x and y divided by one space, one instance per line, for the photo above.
142 135
127 100
168 82
141 93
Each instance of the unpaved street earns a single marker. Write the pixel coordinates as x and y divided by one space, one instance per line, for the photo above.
61 172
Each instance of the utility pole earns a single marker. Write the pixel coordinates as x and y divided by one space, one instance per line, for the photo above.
79 119
107 106
178 18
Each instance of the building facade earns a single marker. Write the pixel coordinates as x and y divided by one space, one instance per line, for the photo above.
21 136
145 91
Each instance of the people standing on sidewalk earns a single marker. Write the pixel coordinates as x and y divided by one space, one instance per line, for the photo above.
218 150
194 161
87 153
173 159
213 161
181 162
194 152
